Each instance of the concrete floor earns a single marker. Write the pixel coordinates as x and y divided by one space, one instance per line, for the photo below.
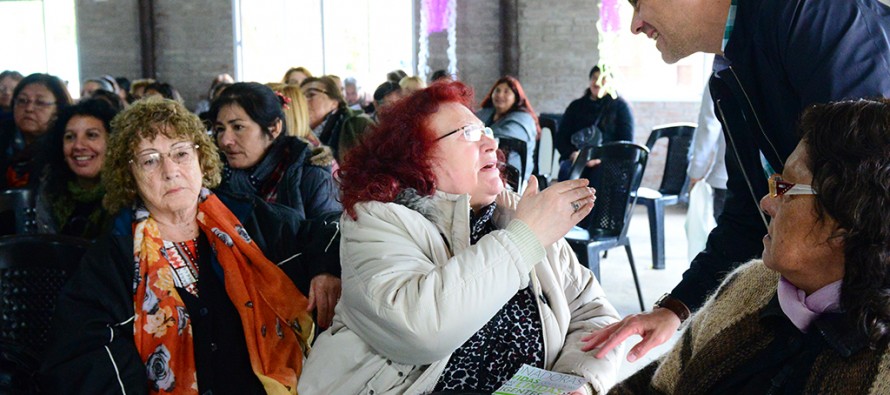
617 280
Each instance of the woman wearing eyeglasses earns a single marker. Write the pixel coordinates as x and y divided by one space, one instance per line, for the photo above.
812 316
449 282
35 102
330 118
190 292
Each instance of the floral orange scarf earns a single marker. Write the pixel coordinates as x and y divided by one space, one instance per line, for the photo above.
277 327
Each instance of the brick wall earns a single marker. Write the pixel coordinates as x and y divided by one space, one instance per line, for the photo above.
558 46
478 44
194 42
108 38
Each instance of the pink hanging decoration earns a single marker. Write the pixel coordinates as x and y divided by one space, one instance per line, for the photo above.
609 16
437 16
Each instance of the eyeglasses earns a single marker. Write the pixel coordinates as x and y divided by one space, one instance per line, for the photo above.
779 187
24 102
472 133
151 161
312 92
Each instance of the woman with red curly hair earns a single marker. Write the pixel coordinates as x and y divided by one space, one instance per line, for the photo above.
439 263
509 113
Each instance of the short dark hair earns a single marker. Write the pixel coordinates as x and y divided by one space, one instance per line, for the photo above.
848 147
385 89
440 74
260 103
396 75
123 83
166 90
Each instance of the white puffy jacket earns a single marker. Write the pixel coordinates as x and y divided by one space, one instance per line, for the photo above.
414 290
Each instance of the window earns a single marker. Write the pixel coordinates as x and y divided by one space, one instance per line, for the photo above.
642 75
40 37
364 39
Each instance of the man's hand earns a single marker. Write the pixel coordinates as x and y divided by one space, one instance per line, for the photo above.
324 292
693 181
655 327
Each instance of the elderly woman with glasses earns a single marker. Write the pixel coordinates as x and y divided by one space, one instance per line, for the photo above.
190 292
813 316
451 283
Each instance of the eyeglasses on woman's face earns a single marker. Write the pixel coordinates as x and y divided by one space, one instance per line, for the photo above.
779 187
181 154
23 102
312 93
471 133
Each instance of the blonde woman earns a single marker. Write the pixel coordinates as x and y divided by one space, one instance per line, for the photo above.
296 114
296 75
411 84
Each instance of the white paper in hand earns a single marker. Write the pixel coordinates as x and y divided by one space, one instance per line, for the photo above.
530 380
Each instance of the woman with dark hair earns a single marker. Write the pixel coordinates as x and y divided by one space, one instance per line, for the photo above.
451 283
35 102
330 118
595 118
261 159
814 315
509 113
164 90
70 197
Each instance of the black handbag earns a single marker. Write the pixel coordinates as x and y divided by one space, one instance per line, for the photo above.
591 135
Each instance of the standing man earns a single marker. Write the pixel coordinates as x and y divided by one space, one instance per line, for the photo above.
784 55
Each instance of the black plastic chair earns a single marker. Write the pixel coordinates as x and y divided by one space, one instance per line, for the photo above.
18 204
512 148
33 269
674 183
620 174
546 157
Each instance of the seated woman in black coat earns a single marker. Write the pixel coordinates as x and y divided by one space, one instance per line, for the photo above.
261 159
596 110
190 291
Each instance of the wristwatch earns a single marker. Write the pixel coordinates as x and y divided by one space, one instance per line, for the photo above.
675 305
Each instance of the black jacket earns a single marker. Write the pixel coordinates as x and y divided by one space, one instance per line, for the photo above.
300 185
612 116
783 57
91 350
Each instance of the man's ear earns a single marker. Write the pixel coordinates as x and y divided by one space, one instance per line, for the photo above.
275 129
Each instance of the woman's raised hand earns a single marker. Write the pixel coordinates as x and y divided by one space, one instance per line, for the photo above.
551 213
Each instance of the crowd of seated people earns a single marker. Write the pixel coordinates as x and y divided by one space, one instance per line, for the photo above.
271 149
438 257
